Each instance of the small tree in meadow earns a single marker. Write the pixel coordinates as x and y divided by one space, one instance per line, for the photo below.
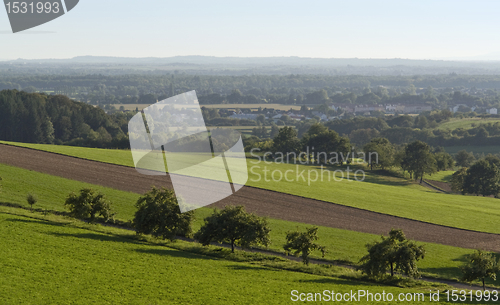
31 199
394 253
88 204
303 243
480 265
234 226
158 214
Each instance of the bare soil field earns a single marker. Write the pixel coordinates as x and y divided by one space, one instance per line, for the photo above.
262 202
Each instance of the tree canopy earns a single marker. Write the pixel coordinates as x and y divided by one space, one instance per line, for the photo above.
234 226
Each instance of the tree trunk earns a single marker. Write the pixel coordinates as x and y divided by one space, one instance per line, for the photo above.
392 270
232 246
483 284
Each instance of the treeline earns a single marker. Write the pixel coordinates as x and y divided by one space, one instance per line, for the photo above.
401 129
289 89
40 118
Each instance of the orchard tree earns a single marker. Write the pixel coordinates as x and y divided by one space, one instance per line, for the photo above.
234 226
274 131
464 158
457 180
379 153
158 214
88 204
480 266
418 160
444 161
394 253
482 178
286 142
303 243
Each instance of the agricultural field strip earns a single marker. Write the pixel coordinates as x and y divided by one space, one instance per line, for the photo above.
264 203
407 200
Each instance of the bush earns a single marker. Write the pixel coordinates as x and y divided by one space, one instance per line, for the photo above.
158 214
88 204
235 226
303 243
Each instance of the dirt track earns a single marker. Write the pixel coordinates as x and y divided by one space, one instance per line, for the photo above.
262 202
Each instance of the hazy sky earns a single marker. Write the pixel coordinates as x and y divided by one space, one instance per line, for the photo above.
341 29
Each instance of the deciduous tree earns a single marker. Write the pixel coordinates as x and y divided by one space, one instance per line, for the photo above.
303 243
394 253
234 226
158 214
88 204
480 265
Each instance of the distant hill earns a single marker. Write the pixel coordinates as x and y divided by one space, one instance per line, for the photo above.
259 61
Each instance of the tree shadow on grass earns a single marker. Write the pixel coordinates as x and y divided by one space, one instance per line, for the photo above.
336 281
132 239
253 268
174 253
36 221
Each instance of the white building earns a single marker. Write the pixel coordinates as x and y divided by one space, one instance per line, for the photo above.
492 111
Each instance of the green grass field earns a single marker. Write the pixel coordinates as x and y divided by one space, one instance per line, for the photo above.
383 194
342 245
442 176
466 123
53 260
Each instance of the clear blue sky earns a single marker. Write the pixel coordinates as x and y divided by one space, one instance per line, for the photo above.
341 29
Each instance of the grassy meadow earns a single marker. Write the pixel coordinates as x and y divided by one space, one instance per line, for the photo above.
466 123
342 245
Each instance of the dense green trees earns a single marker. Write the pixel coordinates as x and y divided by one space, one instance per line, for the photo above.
464 158
303 243
286 141
40 118
482 178
158 214
393 253
235 226
418 160
444 161
457 180
379 153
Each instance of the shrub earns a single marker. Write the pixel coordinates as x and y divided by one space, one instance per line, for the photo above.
303 243
31 199
88 204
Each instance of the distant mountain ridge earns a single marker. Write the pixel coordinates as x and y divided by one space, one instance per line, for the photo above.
254 61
